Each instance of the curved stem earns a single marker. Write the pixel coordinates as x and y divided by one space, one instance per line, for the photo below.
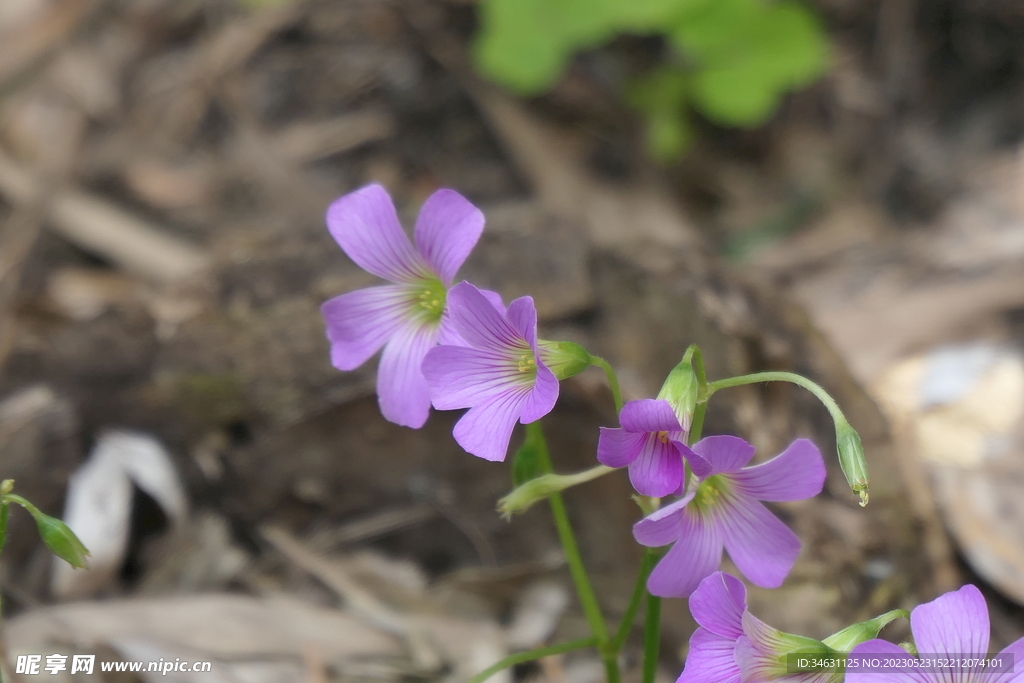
530 655
820 394
626 625
613 380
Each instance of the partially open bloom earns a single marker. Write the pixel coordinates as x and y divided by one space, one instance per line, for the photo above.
498 376
952 628
409 316
650 443
723 510
733 645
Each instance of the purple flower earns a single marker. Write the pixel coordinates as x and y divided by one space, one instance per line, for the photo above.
732 644
407 317
954 625
724 510
498 376
650 443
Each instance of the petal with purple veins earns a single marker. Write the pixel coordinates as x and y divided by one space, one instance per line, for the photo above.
718 605
696 554
662 526
724 453
401 387
541 399
485 430
617 448
365 225
359 323
657 469
447 229
954 624
461 376
762 547
710 659
796 473
649 415
477 321
881 649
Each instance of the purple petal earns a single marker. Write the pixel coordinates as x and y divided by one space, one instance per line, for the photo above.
952 624
762 547
658 469
617 448
796 473
882 649
401 387
710 659
448 336
725 453
649 415
662 526
478 322
485 430
541 399
360 322
1013 654
696 554
718 605
447 229
366 227
698 463
461 377
522 315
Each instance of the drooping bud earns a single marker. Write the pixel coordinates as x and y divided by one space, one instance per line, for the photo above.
852 636
851 459
6 486
57 535
564 358
680 390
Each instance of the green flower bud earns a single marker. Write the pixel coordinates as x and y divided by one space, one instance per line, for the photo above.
852 636
61 540
6 486
851 459
564 358
525 495
680 390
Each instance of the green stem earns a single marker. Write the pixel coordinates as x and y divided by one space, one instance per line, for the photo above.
613 380
529 656
626 625
821 394
585 592
5 511
652 637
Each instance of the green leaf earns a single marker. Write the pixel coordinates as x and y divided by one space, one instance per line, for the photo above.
526 464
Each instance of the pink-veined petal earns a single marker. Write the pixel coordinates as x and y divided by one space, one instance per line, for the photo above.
475 318
710 659
724 453
447 229
649 415
359 323
884 650
522 315
617 448
365 225
662 526
698 463
762 547
485 430
954 624
448 335
796 473
401 387
718 605
658 469
461 376
541 399
696 554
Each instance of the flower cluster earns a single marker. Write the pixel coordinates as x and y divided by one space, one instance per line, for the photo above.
455 346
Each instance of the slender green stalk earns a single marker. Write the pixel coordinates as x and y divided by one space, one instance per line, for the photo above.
529 656
5 511
585 592
613 380
821 394
639 589
652 637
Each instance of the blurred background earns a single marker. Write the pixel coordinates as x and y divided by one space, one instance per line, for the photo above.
831 187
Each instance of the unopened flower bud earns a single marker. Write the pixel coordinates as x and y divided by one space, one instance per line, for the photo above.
539 488
564 358
680 390
852 636
851 459
6 486
61 540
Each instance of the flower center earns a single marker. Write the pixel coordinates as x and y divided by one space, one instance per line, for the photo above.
527 363
710 493
429 299
663 436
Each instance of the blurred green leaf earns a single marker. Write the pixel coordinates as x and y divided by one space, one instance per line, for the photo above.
527 462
